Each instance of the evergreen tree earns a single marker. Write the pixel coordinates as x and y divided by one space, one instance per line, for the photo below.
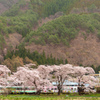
66 62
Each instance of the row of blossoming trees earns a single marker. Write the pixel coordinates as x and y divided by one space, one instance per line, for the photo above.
45 75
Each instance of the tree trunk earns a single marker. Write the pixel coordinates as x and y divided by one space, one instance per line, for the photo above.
38 92
59 91
81 90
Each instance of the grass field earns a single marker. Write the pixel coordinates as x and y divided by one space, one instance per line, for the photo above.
51 97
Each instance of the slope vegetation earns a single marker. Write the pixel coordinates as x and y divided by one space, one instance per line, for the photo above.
62 30
86 6
72 36
75 37
6 4
50 7
24 15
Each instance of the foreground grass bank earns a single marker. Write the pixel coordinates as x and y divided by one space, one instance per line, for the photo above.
51 97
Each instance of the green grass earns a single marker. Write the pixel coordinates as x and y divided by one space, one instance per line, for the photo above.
51 97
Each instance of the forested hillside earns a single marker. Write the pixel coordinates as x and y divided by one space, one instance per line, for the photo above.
50 7
20 18
86 3
24 15
34 25
64 29
6 4
86 6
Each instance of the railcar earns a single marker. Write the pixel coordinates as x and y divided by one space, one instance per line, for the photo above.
32 90
65 89
52 89
18 90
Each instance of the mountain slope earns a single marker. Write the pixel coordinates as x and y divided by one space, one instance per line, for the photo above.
86 6
50 7
72 36
6 4
62 30
75 37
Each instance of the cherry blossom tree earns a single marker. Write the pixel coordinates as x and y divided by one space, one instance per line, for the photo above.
62 72
27 76
86 72
45 75
4 74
